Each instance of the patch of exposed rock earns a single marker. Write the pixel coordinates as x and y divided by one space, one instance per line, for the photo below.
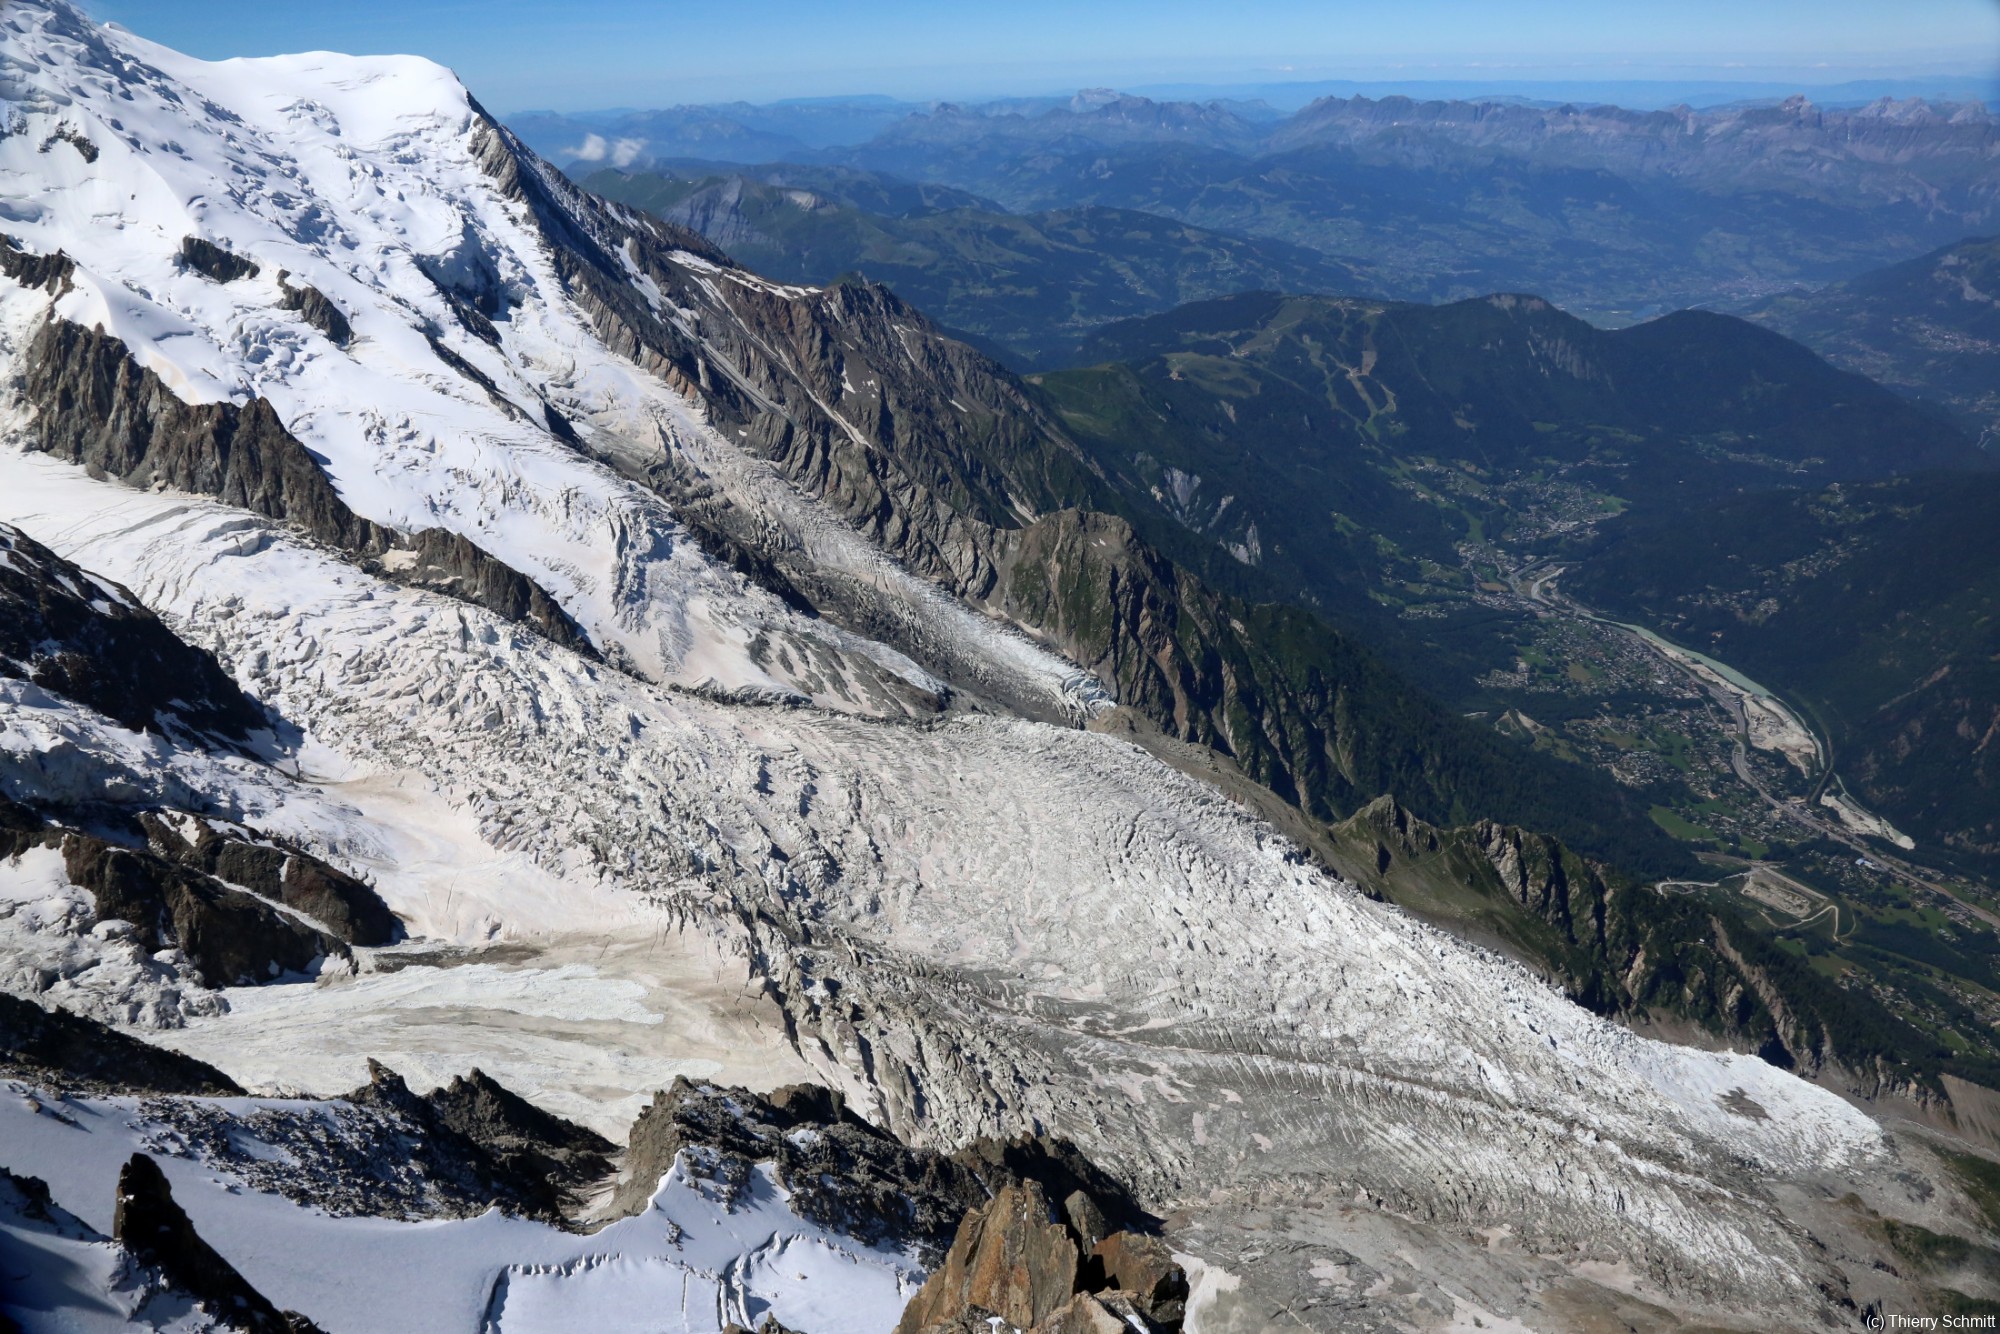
51 1047
482 1145
317 308
343 904
213 262
1018 1262
556 1160
90 641
150 1225
846 1174
51 273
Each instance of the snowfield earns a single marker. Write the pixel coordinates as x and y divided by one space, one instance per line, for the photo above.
692 1261
972 924
356 176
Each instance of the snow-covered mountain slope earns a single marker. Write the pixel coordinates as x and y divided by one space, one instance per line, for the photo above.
975 924
442 395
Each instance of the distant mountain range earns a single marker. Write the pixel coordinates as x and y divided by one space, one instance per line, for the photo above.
1929 327
1032 287
1615 215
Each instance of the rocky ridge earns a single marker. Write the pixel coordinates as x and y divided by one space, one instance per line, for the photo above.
1623 948
97 406
1015 1263
156 1231
844 1172
76 636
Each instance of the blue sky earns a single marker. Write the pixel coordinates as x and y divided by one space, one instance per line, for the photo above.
581 54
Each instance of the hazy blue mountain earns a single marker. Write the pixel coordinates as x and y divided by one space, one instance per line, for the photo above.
1929 326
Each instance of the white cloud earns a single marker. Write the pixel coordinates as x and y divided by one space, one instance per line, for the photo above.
623 152
591 149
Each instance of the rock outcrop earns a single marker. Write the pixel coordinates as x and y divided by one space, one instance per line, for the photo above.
475 1141
846 1174
149 1224
51 273
231 937
54 1048
1012 1261
228 936
527 1144
317 308
213 262
346 906
87 640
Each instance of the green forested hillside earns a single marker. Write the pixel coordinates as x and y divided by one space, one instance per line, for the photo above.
1356 456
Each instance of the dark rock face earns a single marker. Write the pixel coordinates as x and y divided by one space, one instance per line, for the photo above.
89 641
55 1047
98 407
51 273
95 405
844 1173
770 1324
230 937
154 1228
477 1141
528 1143
346 906
213 262
318 309
448 563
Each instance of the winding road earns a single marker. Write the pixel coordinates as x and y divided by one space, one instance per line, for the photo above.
1539 587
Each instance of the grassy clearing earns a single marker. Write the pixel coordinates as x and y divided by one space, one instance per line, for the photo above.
1681 827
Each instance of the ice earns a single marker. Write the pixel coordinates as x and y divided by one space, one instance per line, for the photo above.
1153 944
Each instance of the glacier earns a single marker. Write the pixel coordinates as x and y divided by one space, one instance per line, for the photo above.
697 854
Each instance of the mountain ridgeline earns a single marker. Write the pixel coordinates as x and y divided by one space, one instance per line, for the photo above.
1612 213
951 463
1347 455
1031 286
1929 327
